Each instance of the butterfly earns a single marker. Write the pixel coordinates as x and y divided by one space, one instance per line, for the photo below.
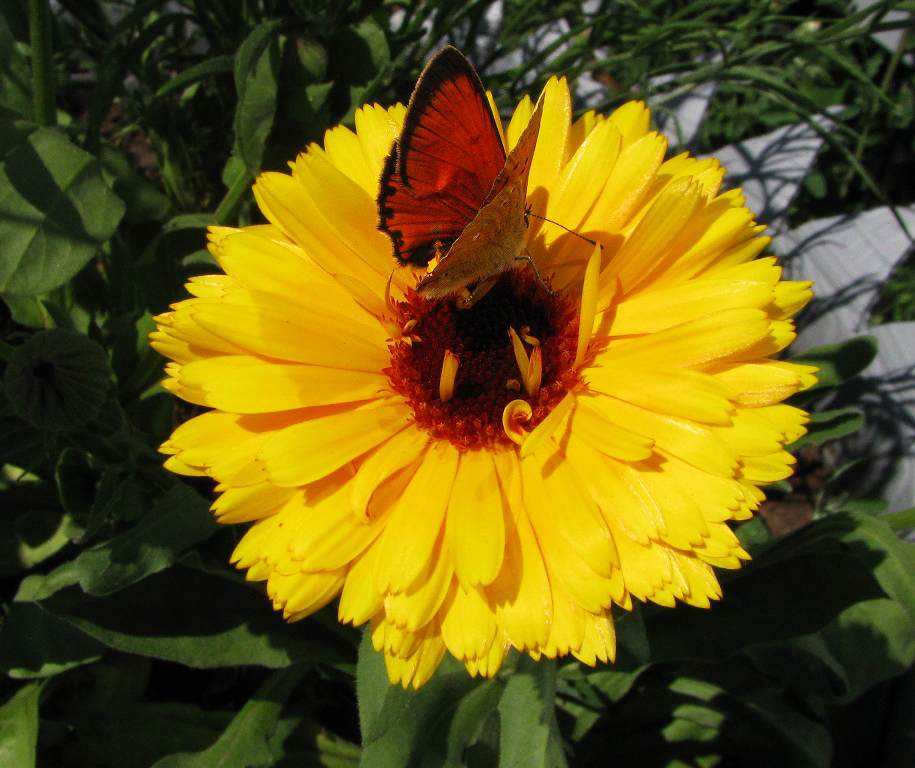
449 193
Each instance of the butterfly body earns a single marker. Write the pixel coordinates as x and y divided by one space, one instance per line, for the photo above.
489 245
448 191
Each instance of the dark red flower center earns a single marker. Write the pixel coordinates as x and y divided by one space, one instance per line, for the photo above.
488 374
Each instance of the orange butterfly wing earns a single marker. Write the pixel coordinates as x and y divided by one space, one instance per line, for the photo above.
442 169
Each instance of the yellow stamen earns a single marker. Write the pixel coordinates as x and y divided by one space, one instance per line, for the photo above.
516 413
544 430
534 373
449 374
527 338
588 304
520 355
513 385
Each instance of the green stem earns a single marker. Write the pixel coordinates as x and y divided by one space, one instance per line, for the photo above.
884 87
233 197
43 81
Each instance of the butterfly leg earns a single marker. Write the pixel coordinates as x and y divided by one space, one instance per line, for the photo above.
469 298
525 256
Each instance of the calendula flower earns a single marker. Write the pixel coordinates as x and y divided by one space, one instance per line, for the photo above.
475 480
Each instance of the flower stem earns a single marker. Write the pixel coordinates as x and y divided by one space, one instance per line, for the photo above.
233 197
43 85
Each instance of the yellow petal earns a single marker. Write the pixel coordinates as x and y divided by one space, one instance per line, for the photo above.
475 524
593 425
400 451
680 393
725 335
279 329
243 505
694 443
589 589
520 594
639 314
415 523
359 600
311 449
468 624
417 605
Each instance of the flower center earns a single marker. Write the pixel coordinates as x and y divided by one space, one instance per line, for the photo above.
458 369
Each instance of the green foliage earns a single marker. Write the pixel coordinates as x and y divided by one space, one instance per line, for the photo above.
127 640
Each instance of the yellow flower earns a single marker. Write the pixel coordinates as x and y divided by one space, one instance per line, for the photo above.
500 477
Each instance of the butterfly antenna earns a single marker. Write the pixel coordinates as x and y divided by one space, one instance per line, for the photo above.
562 226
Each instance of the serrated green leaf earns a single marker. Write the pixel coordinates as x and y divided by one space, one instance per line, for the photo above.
57 211
19 727
198 619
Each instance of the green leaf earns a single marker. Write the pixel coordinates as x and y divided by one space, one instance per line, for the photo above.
57 379
900 521
75 483
179 520
33 528
15 90
215 65
889 559
873 641
839 362
109 731
358 57
143 201
830 425
245 743
872 507
529 736
19 727
399 727
198 619
799 584
257 66
34 643
475 712
57 209
159 269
